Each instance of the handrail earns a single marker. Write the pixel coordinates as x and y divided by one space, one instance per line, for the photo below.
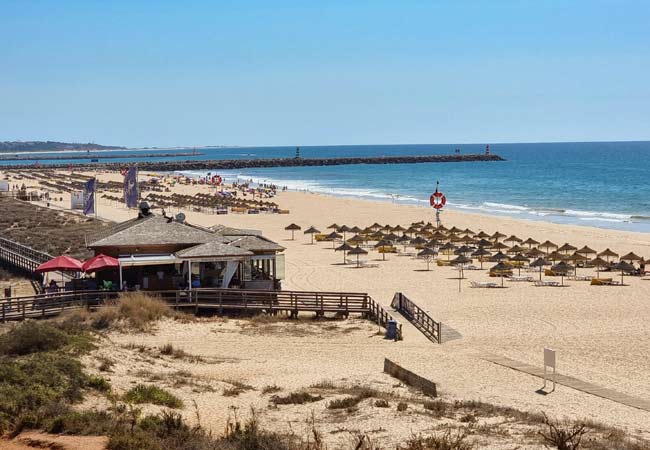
418 317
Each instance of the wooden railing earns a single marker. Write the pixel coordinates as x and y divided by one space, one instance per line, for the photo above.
416 315
21 256
219 300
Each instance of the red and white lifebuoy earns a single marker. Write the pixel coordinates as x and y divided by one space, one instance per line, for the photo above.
437 200
217 180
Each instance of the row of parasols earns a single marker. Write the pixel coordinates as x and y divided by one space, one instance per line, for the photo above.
481 245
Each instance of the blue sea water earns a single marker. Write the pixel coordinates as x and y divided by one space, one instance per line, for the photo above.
603 184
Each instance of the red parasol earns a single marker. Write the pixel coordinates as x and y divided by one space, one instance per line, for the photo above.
100 262
61 264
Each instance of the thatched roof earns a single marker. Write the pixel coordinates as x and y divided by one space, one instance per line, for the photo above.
152 230
256 244
213 249
229 231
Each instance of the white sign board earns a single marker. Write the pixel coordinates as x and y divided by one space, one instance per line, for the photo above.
549 361
77 200
4 185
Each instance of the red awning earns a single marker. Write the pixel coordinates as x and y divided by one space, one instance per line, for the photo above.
100 262
61 264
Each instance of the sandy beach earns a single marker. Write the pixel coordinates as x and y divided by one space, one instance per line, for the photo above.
600 333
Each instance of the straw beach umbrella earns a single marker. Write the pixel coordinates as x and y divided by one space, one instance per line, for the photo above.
586 251
563 269
343 229
293 228
428 254
513 240
482 235
607 254
381 248
631 257
548 245
599 263
484 243
334 226
458 262
356 239
447 249
355 230
534 253
344 248
530 242
418 241
333 236
501 269
496 236
358 251
480 253
499 257
499 246
312 231
519 258
540 262
623 267
566 248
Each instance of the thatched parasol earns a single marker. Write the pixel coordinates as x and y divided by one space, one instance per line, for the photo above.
398 228
293 228
447 248
566 248
519 258
496 236
598 263
334 226
548 245
499 257
513 239
356 229
480 253
312 230
343 229
344 248
482 235
586 251
530 242
468 232
418 241
458 262
357 251
484 243
563 269
540 262
356 239
517 249
631 257
427 253
499 246
534 253
624 267
607 254
333 236
381 247
464 250
501 269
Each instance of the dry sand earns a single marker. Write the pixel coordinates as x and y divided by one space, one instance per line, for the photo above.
601 334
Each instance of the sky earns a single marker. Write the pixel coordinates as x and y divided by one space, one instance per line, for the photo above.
192 73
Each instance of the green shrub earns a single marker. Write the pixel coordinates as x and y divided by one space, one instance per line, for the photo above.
32 337
143 393
402 406
381 403
95 423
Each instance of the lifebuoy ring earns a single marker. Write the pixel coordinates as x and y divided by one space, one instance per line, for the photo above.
438 200
217 180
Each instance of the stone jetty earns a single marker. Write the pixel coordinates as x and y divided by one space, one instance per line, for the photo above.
228 164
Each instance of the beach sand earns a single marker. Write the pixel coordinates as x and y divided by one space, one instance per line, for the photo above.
601 334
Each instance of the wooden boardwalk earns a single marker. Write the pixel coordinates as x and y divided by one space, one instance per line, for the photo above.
571 382
207 300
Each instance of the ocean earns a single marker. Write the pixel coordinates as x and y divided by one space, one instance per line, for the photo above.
602 184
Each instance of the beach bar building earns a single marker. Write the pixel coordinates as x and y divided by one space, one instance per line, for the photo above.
156 252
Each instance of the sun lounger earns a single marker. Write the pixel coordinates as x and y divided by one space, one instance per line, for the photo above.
442 262
604 282
545 283
483 284
472 267
525 278
581 278
368 266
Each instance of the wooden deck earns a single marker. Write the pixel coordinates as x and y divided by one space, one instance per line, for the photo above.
217 301
20 256
571 382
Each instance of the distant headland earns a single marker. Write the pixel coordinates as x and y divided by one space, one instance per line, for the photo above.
52 146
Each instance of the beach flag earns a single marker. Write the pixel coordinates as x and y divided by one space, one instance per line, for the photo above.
89 196
131 193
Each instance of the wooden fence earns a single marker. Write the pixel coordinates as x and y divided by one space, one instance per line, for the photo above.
205 299
411 379
420 319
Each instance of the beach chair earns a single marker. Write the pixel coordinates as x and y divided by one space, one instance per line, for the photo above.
545 283
521 278
442 263
483 284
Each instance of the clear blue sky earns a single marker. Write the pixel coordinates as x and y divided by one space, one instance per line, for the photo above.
145 73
